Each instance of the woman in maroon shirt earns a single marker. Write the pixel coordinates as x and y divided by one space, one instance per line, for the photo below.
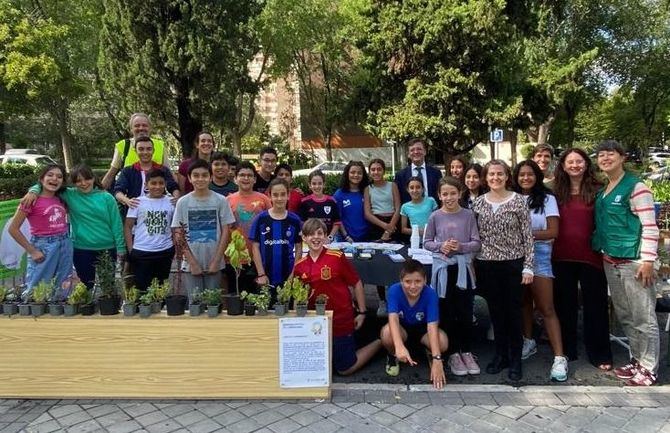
575 263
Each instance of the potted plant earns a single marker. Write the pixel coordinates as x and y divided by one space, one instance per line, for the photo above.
212 297
175 302
145 304
107 287
87 307
8 300
56 307
195 302
260 301
78 295
238 255
320 304
283 298
40 296
158 294
300 293
130 295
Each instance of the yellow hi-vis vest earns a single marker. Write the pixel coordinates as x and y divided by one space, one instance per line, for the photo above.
132 158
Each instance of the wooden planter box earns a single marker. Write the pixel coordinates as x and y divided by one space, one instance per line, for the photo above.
130 357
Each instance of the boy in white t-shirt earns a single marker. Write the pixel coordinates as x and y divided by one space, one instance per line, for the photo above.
151 249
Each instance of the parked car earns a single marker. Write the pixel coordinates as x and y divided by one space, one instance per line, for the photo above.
328 167
662 173
25 156
659 159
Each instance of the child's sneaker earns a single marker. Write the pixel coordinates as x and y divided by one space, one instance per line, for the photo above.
643 377
381 310
529 348
457 366
392 365
559 371
627 371
470 362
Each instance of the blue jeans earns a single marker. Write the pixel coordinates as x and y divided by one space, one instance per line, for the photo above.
84 263
57 263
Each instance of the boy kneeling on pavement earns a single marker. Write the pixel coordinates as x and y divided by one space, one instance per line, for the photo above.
413 316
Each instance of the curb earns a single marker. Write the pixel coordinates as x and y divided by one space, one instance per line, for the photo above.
559 389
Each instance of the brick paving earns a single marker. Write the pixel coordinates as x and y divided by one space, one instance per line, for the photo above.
362 408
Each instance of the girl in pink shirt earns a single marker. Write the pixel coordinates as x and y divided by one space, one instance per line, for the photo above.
50 248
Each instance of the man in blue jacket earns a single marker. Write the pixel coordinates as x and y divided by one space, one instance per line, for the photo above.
131 181
418 167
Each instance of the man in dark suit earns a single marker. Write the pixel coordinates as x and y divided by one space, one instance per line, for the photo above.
431 176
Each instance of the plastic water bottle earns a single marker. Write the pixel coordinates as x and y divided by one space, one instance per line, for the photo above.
415 239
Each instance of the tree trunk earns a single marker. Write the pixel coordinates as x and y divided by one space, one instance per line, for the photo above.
62 115
328 145
3 142
492 145
512 144
236 140
189 126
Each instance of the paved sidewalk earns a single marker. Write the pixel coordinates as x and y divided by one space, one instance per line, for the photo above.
362 408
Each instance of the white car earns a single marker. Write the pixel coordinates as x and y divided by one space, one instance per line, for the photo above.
328 167
662 173
659 159
25 156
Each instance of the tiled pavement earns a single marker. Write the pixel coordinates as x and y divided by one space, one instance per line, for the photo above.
362 408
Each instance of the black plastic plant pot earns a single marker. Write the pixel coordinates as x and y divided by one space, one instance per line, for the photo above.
320 309
10 308
24 309
195 309
262 311
156 307
56 309
235 307
213 310
145 310
301 310
70 310
38 310
249 310
176 305
129 309
87 309
108 306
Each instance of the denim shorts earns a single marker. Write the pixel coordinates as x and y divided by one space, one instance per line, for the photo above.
57 263
542 260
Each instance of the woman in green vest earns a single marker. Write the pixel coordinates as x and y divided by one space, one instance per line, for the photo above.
124 150
627 235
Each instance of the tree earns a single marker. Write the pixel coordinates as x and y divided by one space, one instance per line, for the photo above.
432 69
311 41
45 58
184 61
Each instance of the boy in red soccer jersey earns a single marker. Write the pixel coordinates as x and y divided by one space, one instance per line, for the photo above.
329 272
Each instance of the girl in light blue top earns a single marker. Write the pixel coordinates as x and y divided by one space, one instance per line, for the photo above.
417 211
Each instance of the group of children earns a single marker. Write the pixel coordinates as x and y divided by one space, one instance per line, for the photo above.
509 232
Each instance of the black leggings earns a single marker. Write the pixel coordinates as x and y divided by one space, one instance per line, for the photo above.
500 282
596 316
456 313
147 265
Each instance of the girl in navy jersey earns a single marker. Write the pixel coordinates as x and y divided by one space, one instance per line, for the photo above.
275 234
319 205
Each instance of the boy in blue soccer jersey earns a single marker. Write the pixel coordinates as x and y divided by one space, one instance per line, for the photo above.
275 236
414 317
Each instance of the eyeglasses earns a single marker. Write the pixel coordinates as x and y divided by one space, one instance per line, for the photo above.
270 160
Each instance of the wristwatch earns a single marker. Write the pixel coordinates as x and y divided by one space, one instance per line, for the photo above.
437 357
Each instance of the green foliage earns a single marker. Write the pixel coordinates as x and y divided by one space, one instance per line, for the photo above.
41 292
79 295
238 254
130 295
661 191
260 300
527 151
299 290
15 179
211 296
105 272
157 290
321 299
147 299
195 295
3 293
284 292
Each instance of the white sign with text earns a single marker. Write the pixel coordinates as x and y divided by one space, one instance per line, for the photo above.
304 359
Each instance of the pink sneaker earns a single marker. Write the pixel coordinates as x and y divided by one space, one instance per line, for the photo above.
643 377
627 371
457 366
470 362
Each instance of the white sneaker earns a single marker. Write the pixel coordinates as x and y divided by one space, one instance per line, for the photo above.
457 366
381 310
559 371
529 348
